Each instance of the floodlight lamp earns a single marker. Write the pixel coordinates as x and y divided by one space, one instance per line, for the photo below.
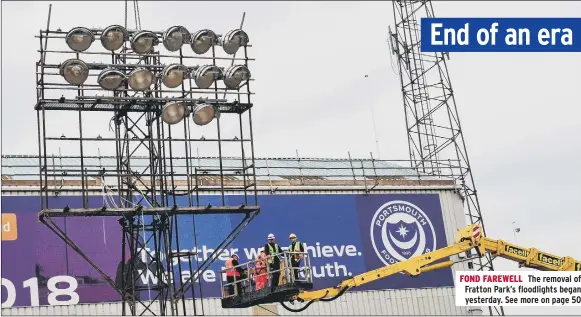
175 37
75 71
206 75
233 40
111 79
143 42
79 39
204 114
173 75
202 40
235 75
140 79
113 37
173 112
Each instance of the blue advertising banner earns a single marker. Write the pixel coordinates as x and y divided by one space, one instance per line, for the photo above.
345 235
501 35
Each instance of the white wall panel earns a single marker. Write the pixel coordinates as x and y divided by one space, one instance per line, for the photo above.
434 301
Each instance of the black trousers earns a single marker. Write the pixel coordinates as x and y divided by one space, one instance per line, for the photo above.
295 266
275 275
230 279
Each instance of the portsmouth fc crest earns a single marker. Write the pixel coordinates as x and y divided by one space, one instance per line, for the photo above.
400 230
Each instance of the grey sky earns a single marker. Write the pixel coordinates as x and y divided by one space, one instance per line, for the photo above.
520 111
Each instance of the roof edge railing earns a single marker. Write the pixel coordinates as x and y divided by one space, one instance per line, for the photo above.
306 170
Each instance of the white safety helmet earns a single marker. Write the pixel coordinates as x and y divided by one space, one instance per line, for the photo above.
270 236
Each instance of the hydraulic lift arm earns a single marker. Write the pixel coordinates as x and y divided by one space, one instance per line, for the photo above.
528 257
466 239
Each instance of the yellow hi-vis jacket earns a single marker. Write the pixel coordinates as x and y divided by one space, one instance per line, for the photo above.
296 248
272 252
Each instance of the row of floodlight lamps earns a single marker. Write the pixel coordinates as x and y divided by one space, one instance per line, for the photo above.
175 111
79 39
76 72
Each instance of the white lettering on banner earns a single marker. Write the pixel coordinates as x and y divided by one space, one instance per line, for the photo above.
32 283
389 210
10 293
330 270
252 253
518 288
202 254
329 251
150 277
54 292
316 250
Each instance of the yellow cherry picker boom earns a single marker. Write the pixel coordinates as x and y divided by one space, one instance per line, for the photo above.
292 289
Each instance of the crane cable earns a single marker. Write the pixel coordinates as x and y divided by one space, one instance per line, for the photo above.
296 310
135 13
322 299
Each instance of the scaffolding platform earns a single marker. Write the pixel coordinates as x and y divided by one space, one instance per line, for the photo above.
266 295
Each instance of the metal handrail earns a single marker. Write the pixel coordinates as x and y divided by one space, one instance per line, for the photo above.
250 268
306 269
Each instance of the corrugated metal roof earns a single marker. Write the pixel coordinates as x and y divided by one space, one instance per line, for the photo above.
419 302
26 166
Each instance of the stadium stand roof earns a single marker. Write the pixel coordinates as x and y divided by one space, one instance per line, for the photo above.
325 171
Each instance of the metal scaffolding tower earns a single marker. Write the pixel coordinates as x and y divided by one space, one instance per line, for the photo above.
436 144
157 100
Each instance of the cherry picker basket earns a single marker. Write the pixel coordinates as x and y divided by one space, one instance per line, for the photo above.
255 287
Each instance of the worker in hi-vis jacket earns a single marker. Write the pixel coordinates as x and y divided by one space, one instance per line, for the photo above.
273 250
295 246
234 274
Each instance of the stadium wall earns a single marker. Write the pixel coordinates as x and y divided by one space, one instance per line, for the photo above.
336 226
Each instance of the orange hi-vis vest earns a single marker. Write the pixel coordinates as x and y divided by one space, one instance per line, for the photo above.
230 270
